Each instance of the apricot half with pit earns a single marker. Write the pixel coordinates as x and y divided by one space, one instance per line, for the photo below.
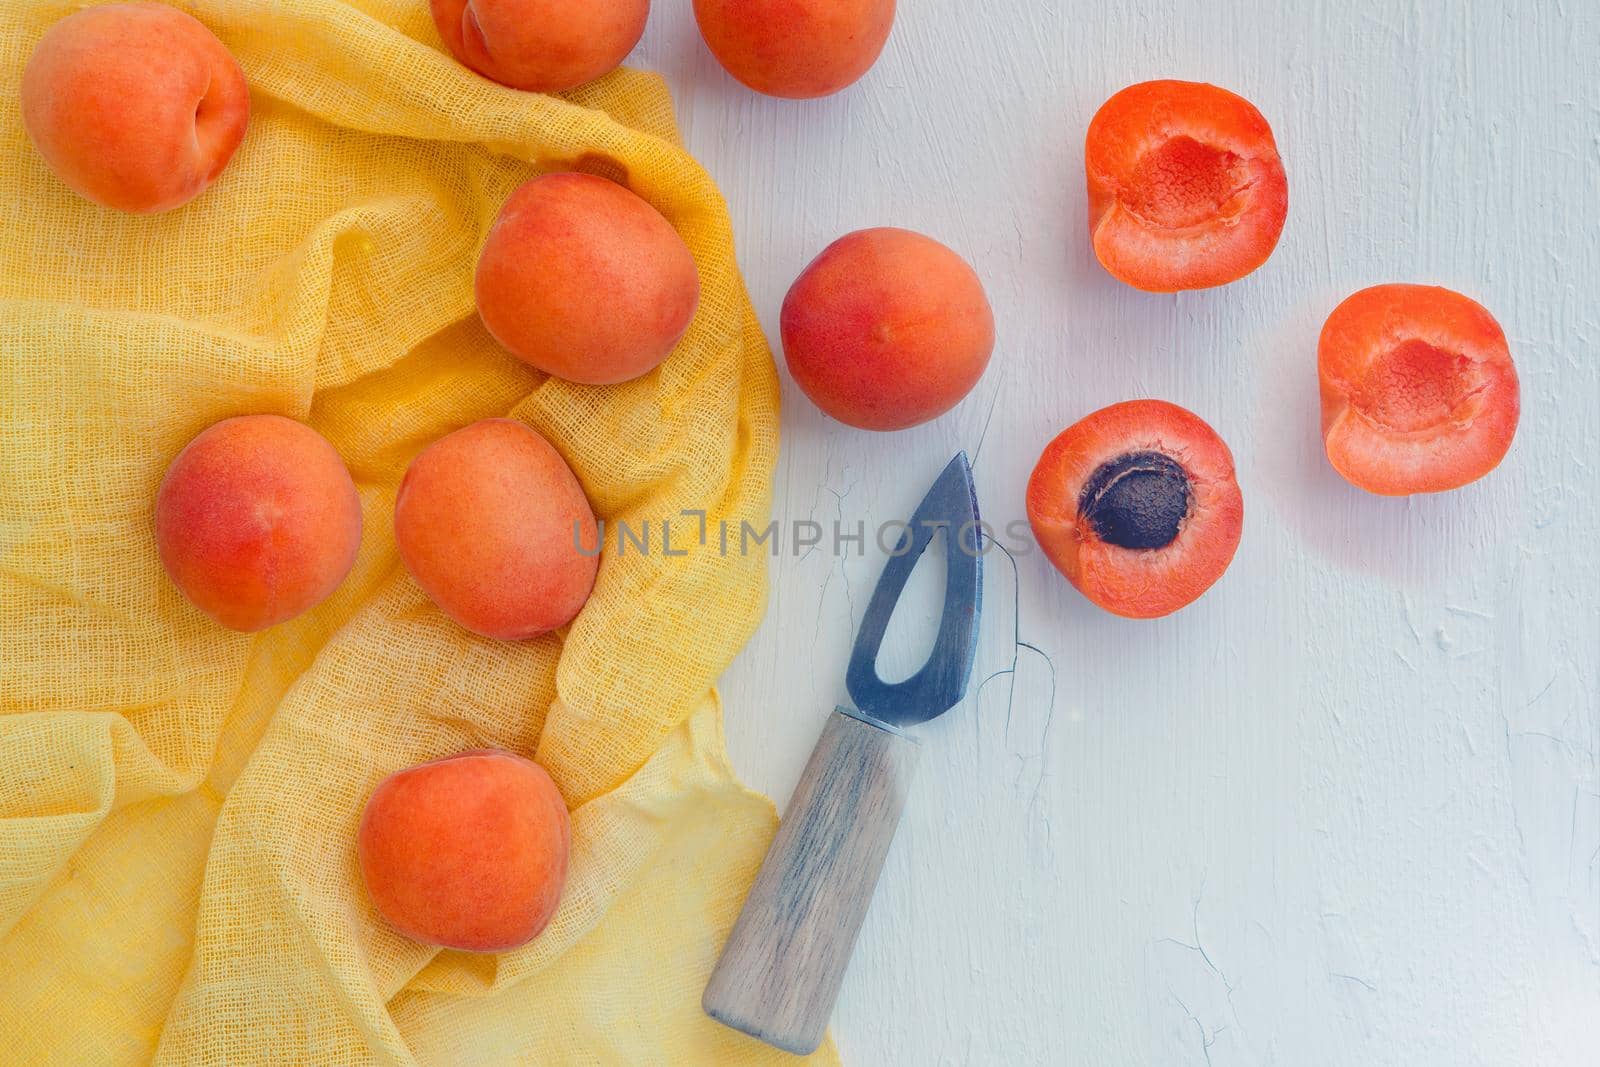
1138 507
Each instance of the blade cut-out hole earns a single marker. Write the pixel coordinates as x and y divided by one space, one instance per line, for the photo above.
914 627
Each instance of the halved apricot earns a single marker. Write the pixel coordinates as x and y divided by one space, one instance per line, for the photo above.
1419 394
1186 189
1137 505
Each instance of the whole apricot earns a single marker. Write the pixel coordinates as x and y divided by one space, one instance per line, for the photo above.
466 852
795 48
257 521
494 526
135 106
887 329
584 280
542 46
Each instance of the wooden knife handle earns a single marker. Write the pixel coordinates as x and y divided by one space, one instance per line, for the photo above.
780 970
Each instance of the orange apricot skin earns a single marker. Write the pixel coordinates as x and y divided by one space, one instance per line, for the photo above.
584 280
887 329
541 46
257 520
1358 339
136 107
795 48
1134 158
466 852
495 528
1139 583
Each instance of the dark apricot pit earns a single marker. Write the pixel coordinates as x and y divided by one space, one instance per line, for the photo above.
1137 501
1419 394
1186 190
1138 507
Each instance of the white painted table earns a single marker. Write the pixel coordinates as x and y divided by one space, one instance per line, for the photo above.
1346 808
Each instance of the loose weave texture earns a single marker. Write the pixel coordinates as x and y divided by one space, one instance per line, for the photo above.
178 803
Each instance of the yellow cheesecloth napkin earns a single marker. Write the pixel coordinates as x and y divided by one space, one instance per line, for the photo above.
177 802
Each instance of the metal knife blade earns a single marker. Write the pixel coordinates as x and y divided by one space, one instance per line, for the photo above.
952 505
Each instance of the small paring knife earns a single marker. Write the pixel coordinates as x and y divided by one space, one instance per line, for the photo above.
781 968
